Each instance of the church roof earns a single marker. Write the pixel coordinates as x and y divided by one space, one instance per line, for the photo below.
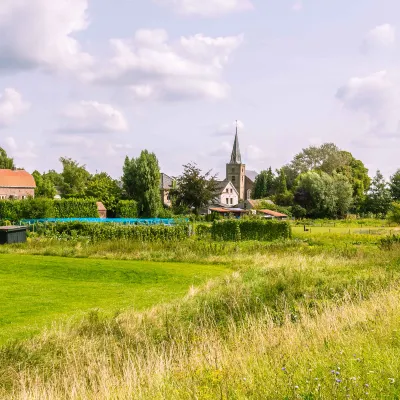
252 175
236 157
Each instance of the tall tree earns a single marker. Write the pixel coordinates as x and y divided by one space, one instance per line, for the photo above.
343 195
379 197
74 178
281 186
395 185
105 189
260 188
5 161
194 189
141 182
44 185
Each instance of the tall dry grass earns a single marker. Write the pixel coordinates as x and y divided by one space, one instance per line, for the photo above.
322 326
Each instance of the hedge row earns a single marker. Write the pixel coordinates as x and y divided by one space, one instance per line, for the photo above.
15 210
236 230
127 209
103 231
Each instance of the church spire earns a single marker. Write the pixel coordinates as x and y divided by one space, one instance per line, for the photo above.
236 158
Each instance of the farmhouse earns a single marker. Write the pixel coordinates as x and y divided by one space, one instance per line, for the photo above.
166 184
16 184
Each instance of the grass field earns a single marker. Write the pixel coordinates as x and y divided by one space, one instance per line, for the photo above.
316 317
35 291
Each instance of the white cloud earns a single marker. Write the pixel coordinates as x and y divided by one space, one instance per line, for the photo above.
12 105
229 129
38 34
381 36
376 97
20 150
208 8
297 6
93 117
254 153
153 67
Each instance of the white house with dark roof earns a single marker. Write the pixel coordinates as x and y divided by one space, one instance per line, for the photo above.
228 195
166 184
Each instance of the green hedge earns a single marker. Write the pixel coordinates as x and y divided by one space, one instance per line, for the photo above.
15 210
236 230
127 209
108 231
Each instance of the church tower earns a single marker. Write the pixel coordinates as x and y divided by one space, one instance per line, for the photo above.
235 170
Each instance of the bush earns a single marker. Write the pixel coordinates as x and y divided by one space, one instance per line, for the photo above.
15 210
108 231
127 209
394 213
235 230
203 231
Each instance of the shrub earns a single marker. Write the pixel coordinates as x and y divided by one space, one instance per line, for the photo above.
15 210
127 209
235 230
394 213
203 231
109 231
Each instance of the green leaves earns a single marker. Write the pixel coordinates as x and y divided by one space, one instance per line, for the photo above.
236 230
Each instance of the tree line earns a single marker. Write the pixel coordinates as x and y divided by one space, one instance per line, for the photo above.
320 182
327 182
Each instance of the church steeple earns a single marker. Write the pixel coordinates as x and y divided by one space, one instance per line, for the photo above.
236 157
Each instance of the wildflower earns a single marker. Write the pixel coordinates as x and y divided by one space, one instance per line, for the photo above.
333 372
366 385
296 387
283 369
338 380
391 380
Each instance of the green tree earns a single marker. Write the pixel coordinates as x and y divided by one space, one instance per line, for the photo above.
343 195
395 185
44 186
194 189
74 178
141 182
379 197
105 189
394 213
281 186
315 192
5 161
260 188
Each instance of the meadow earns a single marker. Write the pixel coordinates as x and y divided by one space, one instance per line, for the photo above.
313 317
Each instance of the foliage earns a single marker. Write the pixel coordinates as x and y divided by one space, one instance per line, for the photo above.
298 211
379 197
15 210
5 161
141 182
127 209
395 185
255 229
74 178
263 184
44 185
322 195
106 231
105 189
203 231
194 189
394 213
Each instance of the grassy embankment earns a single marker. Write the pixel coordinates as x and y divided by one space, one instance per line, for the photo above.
314 318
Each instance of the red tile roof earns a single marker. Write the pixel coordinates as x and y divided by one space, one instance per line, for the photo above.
227 210
16 179
100 206
272 213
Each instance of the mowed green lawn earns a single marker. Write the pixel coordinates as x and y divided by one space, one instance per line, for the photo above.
37 290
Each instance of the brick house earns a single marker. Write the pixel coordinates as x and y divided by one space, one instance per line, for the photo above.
16 184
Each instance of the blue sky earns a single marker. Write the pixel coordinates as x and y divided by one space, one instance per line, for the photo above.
98 80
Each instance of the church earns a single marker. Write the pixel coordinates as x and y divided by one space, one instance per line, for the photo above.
235 189
238 184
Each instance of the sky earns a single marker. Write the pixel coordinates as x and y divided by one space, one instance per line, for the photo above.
97 80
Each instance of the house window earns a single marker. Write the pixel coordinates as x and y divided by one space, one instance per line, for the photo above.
227 201
231 201
23 197
231 191
233 179
3 196
227 190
